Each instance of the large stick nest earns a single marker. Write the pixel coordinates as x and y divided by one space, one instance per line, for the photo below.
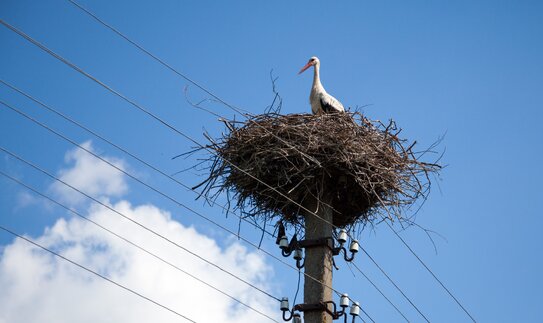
272 163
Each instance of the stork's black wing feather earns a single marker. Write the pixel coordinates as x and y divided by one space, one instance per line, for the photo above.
327 107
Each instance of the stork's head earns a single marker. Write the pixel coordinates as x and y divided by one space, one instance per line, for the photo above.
313 61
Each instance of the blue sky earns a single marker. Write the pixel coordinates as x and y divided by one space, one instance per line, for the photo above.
471 70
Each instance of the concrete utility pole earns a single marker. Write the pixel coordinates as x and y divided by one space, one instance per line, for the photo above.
318 260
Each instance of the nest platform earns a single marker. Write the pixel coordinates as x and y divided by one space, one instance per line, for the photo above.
270 164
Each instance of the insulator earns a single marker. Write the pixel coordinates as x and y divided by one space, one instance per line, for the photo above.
296 318
284 304
298 254
354 246
342 237
355 309
283 243
344 300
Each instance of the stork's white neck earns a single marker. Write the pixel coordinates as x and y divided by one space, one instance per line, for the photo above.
316 76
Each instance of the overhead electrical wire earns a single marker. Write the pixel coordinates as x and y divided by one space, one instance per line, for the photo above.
125 151
395 285
379 290
52 200
431 272
8 152
366 313
156 58
94 272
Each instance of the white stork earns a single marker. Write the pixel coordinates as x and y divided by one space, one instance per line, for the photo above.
321 102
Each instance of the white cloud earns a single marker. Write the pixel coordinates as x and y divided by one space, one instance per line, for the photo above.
89 175
39 287
26 199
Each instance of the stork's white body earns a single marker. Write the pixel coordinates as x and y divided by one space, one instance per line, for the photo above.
321 102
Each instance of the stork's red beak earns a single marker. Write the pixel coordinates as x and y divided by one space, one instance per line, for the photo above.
308 65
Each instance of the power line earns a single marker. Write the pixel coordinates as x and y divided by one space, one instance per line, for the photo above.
94 133
95 273
430 271
139 224
132 243
162 62
76 68
366 313
393 283
379 290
